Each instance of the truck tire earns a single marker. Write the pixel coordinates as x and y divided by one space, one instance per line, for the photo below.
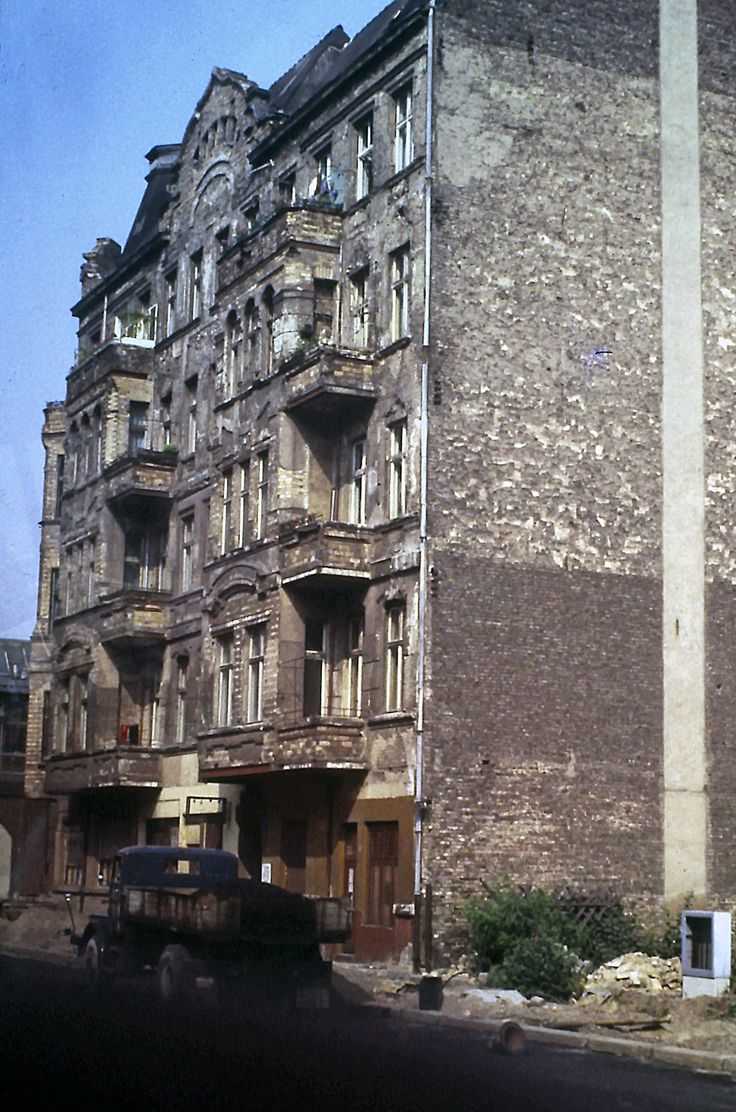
98 978
174 975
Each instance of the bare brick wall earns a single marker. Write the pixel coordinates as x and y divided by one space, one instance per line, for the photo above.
546 729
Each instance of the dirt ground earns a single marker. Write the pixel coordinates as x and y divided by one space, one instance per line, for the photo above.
702 1023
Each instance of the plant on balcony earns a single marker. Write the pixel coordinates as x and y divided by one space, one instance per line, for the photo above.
172 449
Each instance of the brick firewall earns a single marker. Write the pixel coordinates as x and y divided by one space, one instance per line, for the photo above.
548 769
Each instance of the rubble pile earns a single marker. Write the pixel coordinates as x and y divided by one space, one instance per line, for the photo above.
637 970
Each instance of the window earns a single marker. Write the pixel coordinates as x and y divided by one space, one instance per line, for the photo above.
233 354
262 496
256 664
59 485
315 668
165 413
187 551
195 285
383 862
243 502
357 482
251 338
287 189
364 130
359 307
395 656
145 559
99 440
191 416
53 596
397 469
400 293
322 182
324 309
224 703
152 698
91 574
227 511
268 329
170 284
62 721
403 134
182 675
251 216
152 330
352 700
137 427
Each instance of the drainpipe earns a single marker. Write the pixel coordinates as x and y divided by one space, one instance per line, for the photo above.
419 801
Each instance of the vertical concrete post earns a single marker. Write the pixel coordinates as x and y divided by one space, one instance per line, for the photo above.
683 561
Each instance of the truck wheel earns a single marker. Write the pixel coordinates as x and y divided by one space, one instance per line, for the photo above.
174 976
95 973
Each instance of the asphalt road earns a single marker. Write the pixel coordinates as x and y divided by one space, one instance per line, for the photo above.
60 1049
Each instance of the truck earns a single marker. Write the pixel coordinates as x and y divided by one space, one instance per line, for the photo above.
191 919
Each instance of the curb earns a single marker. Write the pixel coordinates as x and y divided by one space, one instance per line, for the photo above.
29 953
683 1057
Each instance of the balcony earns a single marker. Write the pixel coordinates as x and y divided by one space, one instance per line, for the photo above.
336 744
126 357
133 617
324 381
322 553
308 223
126 766
141 473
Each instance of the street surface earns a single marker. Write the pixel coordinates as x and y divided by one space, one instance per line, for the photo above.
61 1050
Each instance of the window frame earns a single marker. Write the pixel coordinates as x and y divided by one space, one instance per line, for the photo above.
364 156
243 502
396 463
360 307
256 672
400 292
171 283
226 524
225 671
261 520
358 482
395 655
403 113
182 677
186 577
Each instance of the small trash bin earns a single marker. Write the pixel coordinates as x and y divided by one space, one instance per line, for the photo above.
430 993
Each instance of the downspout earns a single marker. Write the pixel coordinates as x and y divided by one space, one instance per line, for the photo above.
419 801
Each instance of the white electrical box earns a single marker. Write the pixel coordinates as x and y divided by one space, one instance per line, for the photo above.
706 952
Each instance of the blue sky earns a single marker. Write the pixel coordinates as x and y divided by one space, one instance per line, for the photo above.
86 88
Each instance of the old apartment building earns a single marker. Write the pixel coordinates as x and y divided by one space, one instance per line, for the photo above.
387 525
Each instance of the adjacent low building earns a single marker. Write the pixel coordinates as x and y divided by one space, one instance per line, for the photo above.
23 822
363 550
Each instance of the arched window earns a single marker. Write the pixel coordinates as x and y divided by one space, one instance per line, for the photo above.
233 353
251 337
268 330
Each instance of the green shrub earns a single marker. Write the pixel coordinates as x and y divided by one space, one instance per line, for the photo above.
526 939
539 966
506 915
530 940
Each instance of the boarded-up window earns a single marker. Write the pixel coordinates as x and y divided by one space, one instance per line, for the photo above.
294 855
383 860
